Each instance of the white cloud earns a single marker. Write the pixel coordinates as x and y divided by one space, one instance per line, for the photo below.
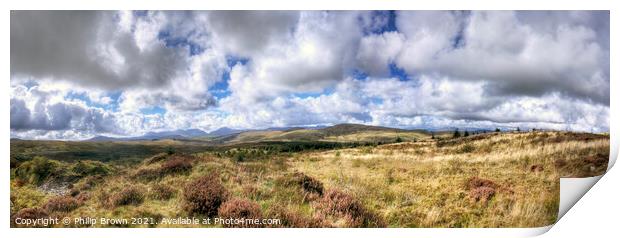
78 74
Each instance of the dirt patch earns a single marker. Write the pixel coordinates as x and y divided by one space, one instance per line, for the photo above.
536 168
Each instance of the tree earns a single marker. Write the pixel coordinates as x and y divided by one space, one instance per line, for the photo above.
457 134
518 129
466 134
497 130
433 135
398 139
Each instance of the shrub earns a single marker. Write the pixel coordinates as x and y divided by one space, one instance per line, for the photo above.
90 182
482 194
598 159
170 150
338 203
85 168
175 165
61 204
476 182
481 189
147 174
128 196
308 184
29 213
37 170
204 195
82 197
162 192
240 209
156 158
467 148
293 219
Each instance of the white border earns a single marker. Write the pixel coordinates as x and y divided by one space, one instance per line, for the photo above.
286 5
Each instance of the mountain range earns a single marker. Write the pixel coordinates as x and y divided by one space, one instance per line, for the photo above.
227 134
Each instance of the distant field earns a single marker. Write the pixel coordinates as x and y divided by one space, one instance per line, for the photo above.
343 178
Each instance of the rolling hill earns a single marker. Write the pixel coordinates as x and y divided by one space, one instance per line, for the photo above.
336 133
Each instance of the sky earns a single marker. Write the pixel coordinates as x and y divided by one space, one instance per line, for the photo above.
78 74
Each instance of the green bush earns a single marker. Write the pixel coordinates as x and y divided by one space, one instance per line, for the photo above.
86 168
37 170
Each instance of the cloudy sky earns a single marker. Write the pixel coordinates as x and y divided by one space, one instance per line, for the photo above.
76 74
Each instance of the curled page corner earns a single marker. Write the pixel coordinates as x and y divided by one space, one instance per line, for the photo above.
573 189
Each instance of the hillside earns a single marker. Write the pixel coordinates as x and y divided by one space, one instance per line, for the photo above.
486 180
336 133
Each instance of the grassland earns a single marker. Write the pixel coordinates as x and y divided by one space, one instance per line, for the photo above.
370 180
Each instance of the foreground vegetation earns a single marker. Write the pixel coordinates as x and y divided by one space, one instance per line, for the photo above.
483 180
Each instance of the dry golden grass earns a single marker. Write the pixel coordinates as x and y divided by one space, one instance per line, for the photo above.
423 184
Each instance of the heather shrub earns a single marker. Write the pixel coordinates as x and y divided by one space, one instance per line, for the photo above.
90 182
240 209
175 165
340 204
162 192
147 174
293 219
82 197
482 194
29 213
61 204
156 158
309 184
476 182
481 190
204 195
128 196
